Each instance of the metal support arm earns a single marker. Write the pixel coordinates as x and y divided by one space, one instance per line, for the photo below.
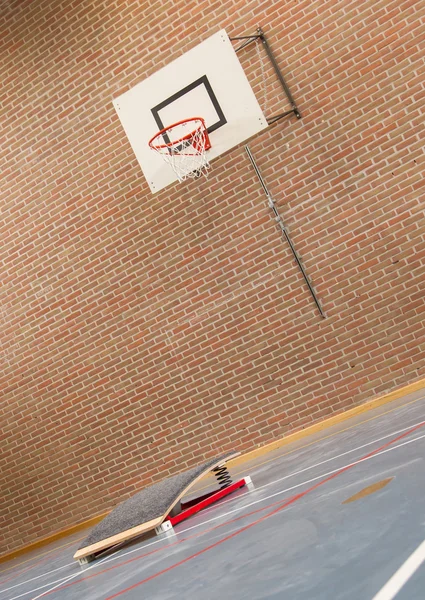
260 35
278 72
284 231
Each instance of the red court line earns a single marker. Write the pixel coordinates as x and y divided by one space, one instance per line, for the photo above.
261 519
189 537
47 556
228 522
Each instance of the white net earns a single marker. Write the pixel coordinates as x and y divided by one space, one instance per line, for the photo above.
183 146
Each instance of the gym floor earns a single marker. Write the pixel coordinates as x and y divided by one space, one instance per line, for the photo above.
293 535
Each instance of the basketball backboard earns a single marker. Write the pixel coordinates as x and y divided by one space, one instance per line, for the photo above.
208 82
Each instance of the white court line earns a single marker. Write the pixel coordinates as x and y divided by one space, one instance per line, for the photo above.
60 583
108 559
392 434
402 575
37 577
356 462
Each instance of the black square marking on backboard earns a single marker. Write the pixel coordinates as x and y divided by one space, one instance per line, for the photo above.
201 81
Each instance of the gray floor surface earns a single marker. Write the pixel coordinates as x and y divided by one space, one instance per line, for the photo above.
289 537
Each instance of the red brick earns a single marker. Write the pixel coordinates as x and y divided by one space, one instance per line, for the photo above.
140 334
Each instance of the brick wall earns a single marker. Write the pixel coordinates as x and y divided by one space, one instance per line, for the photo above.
140 334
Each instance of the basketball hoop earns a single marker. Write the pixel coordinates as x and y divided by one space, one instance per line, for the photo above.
183 146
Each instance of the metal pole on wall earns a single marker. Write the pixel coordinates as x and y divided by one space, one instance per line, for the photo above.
285 233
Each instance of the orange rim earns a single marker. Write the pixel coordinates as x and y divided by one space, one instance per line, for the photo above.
182 139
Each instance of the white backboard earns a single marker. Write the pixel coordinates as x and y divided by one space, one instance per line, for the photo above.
209 82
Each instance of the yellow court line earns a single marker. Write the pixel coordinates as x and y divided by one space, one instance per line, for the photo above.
242 459
49 540
289 439
331 435
39 555
334 420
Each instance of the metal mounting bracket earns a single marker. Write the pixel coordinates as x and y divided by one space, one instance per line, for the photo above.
165 527
260 36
